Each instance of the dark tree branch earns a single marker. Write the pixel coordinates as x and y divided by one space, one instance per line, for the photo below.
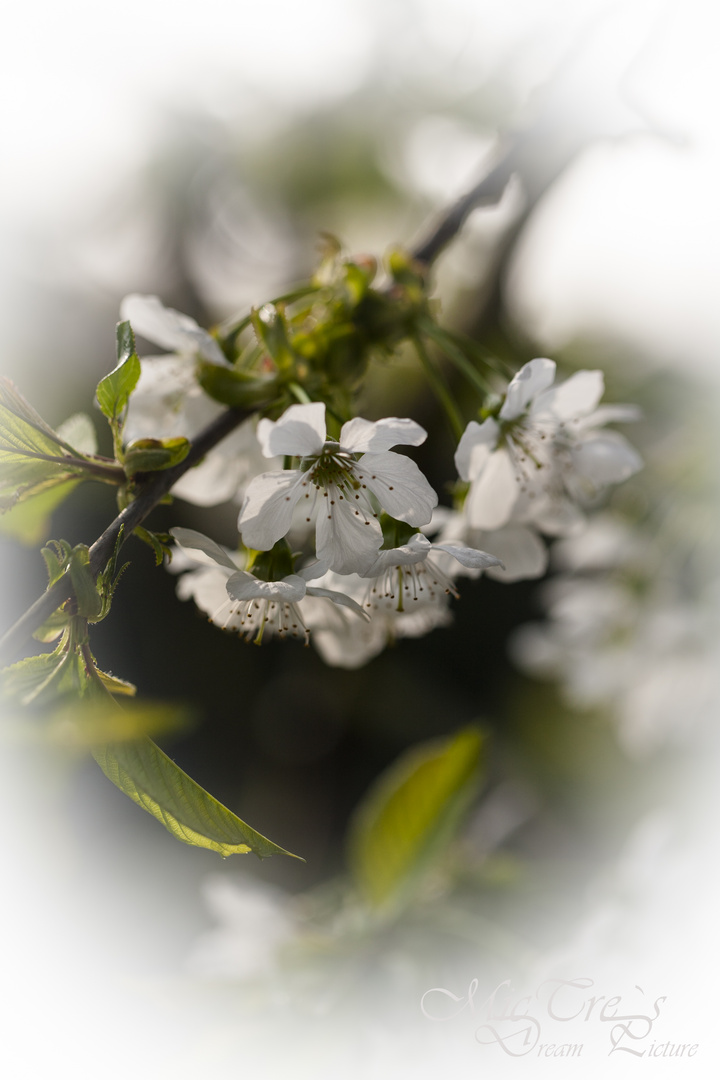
485 193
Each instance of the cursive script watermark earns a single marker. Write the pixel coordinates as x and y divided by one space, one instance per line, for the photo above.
527 1024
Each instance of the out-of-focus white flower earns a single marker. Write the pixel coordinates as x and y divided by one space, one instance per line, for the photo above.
543 452
335 485
619 637
169 402
255 921
237 600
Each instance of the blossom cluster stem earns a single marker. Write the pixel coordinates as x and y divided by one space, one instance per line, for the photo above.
440 389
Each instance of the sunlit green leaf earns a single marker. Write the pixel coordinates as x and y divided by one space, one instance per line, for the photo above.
32 456
37 464
80 726
113 392
151 779
79 431
411 814
29 521
44 678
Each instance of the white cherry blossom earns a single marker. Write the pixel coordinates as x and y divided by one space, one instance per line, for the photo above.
335 486
406 577
235 599
347 642
543 452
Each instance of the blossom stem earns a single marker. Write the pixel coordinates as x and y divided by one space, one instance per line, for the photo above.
444 342
440 390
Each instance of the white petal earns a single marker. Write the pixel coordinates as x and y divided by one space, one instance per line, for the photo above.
206 586
314 571
346 541
611 414
558 517
606 458
472 557
212 481
576 397
475 446
522 551
244 586
491 497
359 436
203 549
337 598
300 431
531 380
267 509
416 550
169 328
399 486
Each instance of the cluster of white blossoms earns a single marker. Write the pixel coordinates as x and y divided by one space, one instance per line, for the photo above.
353 516
621 636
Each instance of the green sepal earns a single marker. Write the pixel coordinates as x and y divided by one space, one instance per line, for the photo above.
404 270
272 565
152 780
53 627
153 455
88 601
410 815
357 279
269 325
159 542
115 686
235 388
113 392
56 555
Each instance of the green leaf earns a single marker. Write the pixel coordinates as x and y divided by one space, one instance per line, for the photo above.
37 464
80 726
152 455
29 520
32 457
410 815
48 677
151 779
79 431
26 679
113 392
